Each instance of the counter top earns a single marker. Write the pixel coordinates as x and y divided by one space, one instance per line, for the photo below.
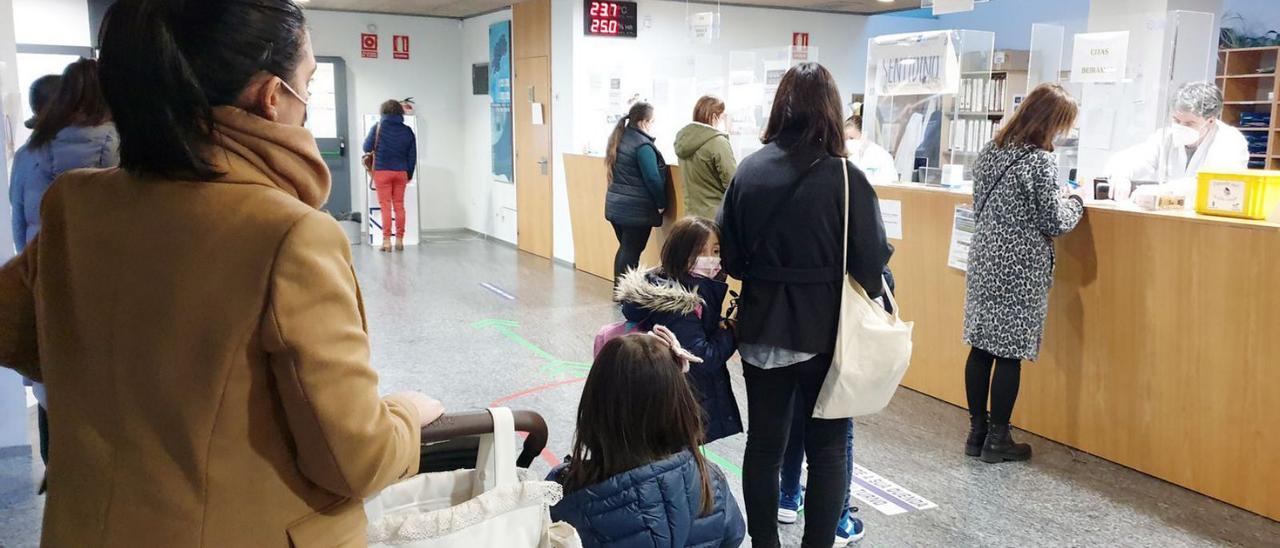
1109 206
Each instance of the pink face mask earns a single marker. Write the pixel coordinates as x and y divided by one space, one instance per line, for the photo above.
706 267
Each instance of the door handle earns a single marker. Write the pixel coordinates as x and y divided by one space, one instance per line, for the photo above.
542 166
533 97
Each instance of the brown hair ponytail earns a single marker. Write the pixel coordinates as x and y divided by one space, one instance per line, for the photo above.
640 112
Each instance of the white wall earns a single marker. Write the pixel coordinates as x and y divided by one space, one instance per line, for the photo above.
490 206
13 399
665 49
1260 16
52 22
431 77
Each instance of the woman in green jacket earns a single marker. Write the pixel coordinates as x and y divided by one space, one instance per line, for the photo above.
706 159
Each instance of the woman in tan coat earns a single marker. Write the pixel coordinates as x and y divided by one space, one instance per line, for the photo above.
195 318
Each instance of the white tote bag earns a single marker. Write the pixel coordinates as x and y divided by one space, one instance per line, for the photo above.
487 506
873 348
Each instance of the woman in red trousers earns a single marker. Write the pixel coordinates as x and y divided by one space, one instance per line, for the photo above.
395 155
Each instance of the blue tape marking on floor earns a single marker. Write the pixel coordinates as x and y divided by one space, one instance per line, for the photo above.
883 494
500 292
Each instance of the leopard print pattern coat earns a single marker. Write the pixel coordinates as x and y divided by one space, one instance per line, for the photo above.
1011 258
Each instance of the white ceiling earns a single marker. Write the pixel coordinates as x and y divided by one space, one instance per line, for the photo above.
468 8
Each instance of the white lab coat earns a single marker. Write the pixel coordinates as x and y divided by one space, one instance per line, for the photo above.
873 160
1225 150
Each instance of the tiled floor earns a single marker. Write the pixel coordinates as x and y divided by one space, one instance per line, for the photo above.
436 328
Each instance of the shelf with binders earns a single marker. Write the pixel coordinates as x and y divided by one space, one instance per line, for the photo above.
1250 85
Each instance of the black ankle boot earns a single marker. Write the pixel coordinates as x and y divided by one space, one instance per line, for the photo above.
977 435
1000 446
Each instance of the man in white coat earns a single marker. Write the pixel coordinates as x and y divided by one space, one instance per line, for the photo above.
1196 140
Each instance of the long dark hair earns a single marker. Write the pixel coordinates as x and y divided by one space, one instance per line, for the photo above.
808 105
167 63
43 90
1048 111
685 242
78 102
636 409
640 112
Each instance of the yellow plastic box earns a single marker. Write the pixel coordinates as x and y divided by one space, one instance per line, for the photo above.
1251 194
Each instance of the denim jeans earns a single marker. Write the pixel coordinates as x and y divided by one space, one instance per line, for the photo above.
793 459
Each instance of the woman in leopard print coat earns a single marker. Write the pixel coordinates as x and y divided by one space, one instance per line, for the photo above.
1020 208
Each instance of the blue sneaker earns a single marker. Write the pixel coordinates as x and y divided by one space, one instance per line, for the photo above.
850 529
789 507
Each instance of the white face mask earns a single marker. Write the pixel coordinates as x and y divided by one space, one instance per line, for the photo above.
1183 136
706 267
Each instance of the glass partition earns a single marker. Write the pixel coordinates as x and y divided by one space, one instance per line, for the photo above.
929 100
1045 65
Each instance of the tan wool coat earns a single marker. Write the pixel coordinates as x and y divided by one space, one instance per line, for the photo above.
206 356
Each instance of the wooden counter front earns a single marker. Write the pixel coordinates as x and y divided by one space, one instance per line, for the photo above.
1162 348
594 243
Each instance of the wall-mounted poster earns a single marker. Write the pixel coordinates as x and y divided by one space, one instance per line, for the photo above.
916 64
500 98
501 143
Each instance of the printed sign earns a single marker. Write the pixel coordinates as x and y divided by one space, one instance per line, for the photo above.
1100 57
915 64
891 214
885 496
368 46
1226 196
799 47
966 224
400 47
943 7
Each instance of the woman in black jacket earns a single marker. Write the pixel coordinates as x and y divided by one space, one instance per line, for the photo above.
637 195
782 225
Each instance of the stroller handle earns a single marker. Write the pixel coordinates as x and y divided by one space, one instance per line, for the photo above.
474 423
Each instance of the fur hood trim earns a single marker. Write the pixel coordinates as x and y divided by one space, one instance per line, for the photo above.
651 292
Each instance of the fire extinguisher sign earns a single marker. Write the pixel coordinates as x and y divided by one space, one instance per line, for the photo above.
400 47
369 46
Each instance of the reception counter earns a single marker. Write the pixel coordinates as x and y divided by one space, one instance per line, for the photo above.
594 243
1162 348
1161 351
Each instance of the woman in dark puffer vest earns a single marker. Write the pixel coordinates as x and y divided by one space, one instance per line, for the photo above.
637 195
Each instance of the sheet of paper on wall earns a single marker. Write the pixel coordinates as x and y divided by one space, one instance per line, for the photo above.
891 213
962 230
538 114
1100 57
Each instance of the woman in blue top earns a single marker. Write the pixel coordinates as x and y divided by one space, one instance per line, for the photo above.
637 195
72 131
395 156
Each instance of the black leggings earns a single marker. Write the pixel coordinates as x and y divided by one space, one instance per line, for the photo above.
631 243
1003 386
769 409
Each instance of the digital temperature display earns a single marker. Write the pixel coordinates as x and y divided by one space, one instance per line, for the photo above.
610 18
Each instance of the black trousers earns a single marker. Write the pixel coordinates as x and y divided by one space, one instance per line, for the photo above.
769 411
42 425
1002 387
631 243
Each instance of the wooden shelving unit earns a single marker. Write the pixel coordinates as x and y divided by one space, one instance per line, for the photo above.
1249 84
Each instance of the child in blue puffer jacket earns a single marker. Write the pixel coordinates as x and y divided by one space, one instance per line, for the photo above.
637 477
686 294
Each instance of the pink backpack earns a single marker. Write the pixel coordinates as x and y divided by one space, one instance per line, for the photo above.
610 332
